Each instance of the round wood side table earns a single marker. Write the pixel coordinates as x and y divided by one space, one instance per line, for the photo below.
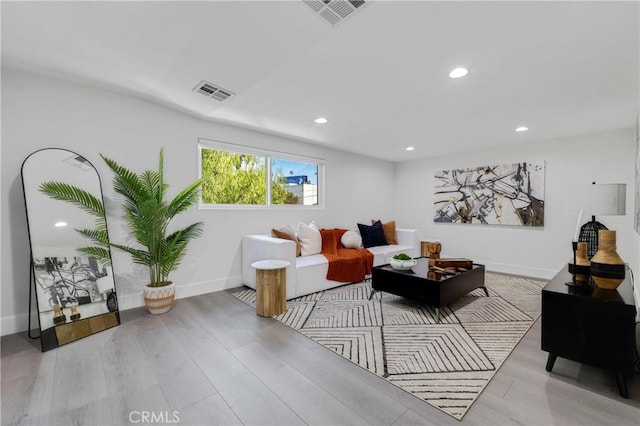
271 287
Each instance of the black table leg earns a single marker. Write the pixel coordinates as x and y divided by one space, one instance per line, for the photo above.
485 291
371 294
622 385
550 361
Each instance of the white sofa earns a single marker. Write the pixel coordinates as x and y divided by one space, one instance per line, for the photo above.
307 274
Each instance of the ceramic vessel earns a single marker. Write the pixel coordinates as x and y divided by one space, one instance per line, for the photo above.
402 265
58 316
607 267
159 300
583 264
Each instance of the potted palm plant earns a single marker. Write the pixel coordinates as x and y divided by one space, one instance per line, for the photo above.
149 215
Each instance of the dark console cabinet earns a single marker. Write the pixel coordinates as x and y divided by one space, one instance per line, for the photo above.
590 325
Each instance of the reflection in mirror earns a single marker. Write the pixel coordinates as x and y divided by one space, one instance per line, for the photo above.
73 278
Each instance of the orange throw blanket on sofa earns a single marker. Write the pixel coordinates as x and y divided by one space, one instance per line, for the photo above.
347 265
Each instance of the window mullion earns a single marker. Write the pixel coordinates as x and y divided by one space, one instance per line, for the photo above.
268 177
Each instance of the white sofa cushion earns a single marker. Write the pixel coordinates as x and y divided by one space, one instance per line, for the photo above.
316 259
382 254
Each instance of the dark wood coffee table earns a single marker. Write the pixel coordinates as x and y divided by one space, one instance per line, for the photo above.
426 287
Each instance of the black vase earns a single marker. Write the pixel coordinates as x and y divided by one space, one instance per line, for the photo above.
112 302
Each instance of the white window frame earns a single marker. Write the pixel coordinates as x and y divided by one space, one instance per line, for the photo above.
268 155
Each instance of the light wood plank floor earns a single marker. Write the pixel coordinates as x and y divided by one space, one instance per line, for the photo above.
213 361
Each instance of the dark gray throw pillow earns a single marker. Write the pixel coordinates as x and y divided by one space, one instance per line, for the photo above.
372 235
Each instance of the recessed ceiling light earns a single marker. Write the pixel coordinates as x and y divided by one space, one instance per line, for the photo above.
321 120
60 224
409 148
458 72
522 129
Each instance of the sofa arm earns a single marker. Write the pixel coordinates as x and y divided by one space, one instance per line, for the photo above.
409 238
265 247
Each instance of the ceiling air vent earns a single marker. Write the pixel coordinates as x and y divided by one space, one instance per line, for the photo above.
334 11
212 91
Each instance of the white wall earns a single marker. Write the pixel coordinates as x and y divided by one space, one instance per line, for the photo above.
539 252
39 112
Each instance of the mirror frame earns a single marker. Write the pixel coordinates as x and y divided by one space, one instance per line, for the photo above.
66 328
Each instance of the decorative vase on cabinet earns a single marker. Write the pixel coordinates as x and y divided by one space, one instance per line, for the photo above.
582 267
607 267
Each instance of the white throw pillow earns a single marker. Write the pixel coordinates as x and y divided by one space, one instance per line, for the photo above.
351 239
310 239
311 224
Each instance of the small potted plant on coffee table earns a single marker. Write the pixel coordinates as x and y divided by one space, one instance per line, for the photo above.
402 262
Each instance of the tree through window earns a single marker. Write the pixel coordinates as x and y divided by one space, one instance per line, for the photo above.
240 178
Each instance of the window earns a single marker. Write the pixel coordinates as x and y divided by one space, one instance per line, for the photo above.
238 177
294 182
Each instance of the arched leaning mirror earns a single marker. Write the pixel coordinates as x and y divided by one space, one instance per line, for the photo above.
70 263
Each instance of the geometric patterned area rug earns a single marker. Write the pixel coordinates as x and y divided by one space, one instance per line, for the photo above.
446 364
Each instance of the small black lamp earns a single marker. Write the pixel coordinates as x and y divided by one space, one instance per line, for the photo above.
589 235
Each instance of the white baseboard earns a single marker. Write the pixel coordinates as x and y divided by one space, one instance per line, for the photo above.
506 268
134 300
509 268
18 323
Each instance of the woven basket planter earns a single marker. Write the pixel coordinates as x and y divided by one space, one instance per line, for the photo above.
159 300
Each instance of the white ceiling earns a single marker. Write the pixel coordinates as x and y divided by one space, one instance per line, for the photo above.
380 77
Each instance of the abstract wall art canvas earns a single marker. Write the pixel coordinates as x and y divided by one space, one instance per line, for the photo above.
505 194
